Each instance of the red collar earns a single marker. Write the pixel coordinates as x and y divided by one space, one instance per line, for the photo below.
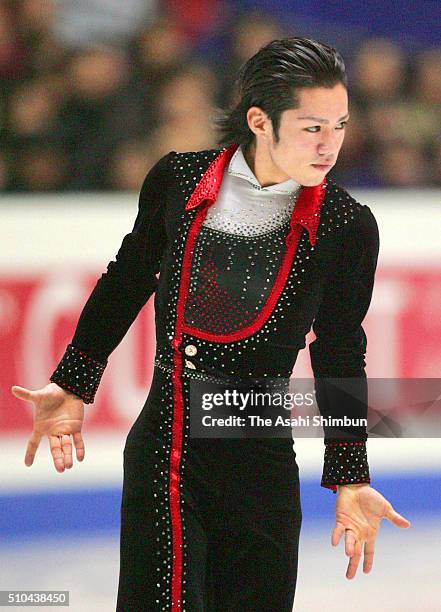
307 209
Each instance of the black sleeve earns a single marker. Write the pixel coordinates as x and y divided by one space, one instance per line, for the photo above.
338 353
119 294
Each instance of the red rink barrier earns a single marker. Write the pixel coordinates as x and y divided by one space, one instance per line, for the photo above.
38 315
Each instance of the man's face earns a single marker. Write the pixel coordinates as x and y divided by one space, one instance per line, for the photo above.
310 136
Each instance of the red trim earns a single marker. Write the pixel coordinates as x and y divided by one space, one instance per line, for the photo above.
174 481
178 415
209 185
307 209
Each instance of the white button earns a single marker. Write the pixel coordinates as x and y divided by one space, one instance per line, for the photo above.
190 365
191 350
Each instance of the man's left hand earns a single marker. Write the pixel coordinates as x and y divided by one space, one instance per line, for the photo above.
359 510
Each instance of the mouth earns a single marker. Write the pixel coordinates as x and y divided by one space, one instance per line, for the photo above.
322 167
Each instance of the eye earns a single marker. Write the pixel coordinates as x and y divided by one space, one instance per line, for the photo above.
312 130
316 128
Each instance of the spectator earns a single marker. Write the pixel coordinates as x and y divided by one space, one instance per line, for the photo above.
158 53
406 121
4 173
249 32
35 19
40 168
33 109
401 165
189 92
185 104
428 78
379 72
102 110
436 176
161 48
129 165
12 53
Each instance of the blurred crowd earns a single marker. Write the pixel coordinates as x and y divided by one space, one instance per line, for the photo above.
90 100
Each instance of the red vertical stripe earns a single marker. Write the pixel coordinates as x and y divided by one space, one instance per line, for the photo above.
178 415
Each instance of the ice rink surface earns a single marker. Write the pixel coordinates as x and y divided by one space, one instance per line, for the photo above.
60 531
406 576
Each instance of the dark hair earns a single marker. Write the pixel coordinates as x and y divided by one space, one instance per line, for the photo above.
269 80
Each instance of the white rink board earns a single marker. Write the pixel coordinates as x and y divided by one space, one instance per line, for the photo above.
84 231
102 466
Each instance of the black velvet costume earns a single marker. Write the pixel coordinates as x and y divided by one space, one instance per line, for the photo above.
213 524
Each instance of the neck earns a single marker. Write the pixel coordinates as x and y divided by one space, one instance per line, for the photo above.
259 160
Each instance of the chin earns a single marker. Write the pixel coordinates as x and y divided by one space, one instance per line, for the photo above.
312 182
317 179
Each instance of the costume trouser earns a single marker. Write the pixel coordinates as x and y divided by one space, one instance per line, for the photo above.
241 519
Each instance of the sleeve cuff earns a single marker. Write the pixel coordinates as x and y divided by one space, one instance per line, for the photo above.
79 373
345 463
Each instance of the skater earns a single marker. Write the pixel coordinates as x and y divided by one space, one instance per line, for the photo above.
253 245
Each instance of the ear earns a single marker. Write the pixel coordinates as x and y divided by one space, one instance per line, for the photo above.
258 121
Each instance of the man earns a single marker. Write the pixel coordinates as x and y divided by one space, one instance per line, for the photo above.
253 246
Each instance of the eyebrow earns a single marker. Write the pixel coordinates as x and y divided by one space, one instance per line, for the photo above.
320 120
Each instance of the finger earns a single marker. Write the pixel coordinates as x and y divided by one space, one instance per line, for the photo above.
79 445
22 393
349 542
354 561
396 519
368 560
57 453
31 448
337 532
66 447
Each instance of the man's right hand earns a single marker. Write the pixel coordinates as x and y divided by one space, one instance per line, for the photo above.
58 414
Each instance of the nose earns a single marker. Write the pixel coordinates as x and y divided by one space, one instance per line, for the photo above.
329 144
